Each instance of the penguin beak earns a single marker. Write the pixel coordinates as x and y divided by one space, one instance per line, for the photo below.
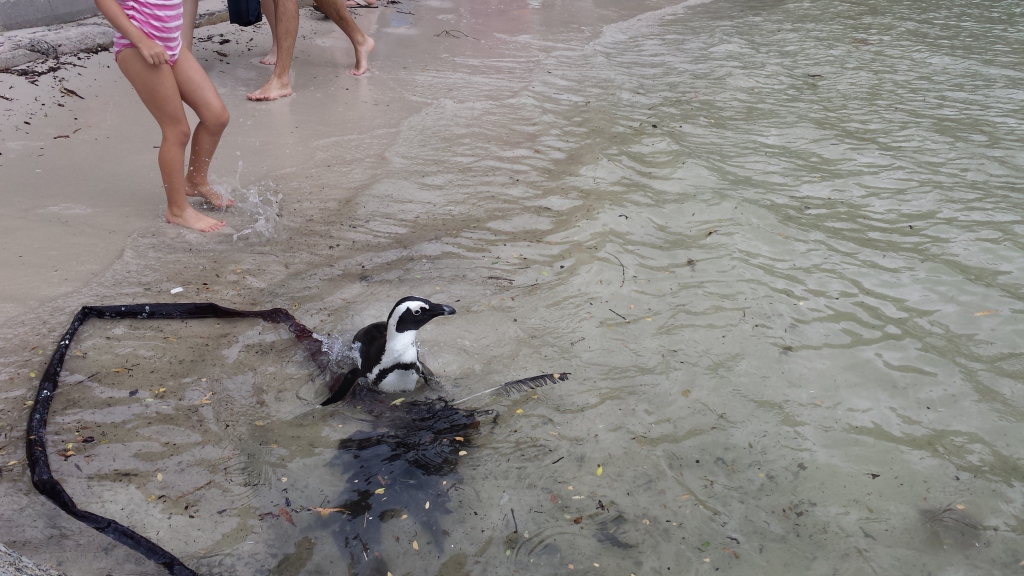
436 310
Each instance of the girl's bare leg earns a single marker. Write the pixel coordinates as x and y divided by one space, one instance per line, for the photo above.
198 92
267 6
158 89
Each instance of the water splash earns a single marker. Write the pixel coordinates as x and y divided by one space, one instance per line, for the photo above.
259 210
341 350
256 207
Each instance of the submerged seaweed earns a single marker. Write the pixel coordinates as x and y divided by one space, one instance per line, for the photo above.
406 465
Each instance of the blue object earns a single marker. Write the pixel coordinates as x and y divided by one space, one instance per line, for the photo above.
244 12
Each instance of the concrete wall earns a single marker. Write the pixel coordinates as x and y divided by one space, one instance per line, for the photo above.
17 14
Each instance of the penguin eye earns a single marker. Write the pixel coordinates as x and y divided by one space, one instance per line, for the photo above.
416 312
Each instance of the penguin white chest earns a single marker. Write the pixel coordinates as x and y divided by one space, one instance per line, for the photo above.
399 381
398 365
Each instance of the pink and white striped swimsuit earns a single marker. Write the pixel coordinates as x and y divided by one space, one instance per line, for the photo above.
158 19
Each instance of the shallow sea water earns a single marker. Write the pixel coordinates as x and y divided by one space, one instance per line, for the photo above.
778 246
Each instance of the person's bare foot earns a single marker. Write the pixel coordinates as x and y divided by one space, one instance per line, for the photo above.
192 218
272 90
362 57
208 194
271 58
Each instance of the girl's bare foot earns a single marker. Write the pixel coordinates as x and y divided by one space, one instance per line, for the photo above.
192 218
362 57
208 194
271 58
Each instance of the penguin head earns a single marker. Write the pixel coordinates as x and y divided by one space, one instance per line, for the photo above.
411 313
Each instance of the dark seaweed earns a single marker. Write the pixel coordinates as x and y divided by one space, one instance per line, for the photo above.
413 453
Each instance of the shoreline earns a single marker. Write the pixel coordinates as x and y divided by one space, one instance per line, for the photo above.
85 212
91 230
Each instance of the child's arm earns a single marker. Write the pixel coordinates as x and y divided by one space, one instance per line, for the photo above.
151 51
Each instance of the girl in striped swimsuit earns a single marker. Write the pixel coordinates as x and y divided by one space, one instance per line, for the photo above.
147 48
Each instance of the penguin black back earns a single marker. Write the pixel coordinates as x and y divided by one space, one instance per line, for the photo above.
372 340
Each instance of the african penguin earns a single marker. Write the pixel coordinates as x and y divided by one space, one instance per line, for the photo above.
387 353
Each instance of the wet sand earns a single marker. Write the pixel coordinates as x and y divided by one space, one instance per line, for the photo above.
80 175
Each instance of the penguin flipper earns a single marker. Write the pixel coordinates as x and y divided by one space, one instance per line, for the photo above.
430 380
339 393
433 382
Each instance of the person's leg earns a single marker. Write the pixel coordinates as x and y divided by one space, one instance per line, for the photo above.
158 89
189 9
198 92
286 15
361 43
267 6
